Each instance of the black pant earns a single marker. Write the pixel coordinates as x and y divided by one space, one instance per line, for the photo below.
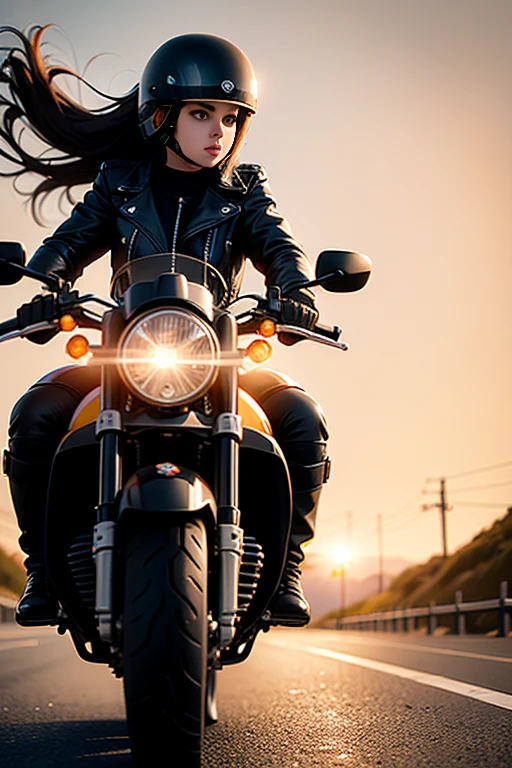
41 418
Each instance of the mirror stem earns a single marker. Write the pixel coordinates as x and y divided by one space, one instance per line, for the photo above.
51 281
318 281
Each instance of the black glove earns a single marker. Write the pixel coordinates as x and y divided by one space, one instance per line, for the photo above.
42 307
297 308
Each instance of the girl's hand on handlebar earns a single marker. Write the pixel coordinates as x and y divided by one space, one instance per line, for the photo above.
42 308
297 309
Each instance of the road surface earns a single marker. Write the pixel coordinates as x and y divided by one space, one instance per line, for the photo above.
304 698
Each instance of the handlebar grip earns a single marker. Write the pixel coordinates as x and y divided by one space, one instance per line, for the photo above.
10 325
331 333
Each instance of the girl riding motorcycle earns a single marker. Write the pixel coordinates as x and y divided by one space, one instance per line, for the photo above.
163 162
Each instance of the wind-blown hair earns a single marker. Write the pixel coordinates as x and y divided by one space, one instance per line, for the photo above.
75 139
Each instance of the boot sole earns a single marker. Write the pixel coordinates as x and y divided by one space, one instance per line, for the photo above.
289 621
42 621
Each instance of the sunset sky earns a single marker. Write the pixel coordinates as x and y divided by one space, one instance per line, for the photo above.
385 127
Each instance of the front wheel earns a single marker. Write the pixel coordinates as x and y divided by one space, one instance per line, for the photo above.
165 640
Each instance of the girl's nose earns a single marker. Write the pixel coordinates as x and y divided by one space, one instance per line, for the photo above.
218 130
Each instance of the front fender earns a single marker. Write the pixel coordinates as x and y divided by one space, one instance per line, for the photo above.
167 488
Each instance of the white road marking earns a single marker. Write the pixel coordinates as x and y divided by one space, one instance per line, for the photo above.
486 695
442 651
9 646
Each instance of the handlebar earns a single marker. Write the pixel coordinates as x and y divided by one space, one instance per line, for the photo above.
248 322
8 326
13 328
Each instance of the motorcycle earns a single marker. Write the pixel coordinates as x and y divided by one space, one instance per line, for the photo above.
169 506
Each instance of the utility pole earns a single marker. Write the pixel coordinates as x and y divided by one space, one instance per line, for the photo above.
443 508
381 555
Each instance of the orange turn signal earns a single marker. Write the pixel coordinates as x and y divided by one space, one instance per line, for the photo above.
267 328
77 347
67 323
259 351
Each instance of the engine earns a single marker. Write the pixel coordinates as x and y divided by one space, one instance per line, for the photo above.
250 567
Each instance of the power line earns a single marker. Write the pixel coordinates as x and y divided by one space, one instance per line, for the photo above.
404 506
482 504
402 523
473 471
339 524
390 523
481 487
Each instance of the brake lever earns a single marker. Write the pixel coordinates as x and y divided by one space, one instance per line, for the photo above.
320 338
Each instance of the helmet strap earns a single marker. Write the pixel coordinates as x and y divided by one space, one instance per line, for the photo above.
178 151
166 133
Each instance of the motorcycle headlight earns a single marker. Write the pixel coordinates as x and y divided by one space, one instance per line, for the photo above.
169 357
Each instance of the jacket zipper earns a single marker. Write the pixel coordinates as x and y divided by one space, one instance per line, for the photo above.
131 243
175 235
208 245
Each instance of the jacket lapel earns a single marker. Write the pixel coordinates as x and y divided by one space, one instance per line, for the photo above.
141 211
212 211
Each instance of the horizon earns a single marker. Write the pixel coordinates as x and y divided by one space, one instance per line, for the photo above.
403 153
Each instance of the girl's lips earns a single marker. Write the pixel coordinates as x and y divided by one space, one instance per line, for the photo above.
214 150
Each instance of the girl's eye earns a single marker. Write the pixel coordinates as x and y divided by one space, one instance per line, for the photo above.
230 120
200 114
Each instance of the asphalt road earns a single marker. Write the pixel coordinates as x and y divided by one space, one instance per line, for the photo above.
304 698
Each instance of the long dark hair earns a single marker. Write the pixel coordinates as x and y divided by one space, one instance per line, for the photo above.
75 140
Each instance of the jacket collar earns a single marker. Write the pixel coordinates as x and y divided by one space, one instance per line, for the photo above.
219 204
140 174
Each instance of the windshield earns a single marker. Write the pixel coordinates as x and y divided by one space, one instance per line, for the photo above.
148 268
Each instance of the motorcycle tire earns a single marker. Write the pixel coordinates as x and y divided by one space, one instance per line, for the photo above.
165 641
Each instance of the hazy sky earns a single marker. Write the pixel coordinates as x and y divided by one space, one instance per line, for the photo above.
385 126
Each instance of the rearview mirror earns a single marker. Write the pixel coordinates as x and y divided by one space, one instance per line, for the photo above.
342 271
12 256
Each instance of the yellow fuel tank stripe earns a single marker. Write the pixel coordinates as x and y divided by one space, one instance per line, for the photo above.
252 414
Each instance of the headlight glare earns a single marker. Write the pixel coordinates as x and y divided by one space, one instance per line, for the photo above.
169 357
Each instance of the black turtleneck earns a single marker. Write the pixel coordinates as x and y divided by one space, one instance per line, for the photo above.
169 185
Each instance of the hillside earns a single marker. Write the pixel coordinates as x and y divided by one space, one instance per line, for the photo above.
12 576
476 569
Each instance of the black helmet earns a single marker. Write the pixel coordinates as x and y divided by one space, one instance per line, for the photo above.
195 66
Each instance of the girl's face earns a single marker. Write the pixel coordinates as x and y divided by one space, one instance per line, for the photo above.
205 132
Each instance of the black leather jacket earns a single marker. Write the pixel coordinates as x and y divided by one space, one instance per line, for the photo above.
230 224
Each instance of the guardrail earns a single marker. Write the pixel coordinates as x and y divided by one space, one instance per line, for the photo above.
7 607
401 618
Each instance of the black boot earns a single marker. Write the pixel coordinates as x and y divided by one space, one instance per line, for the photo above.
299 425
37 606
289 606
28 485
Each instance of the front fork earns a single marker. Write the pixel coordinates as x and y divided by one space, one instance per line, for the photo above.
228 435
109 430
